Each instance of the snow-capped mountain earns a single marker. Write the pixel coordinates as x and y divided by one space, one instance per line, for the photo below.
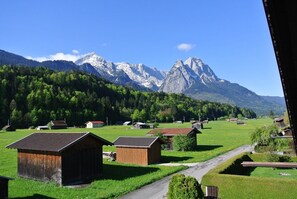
140 74
196 79
99 63
148 77
184 75
191 77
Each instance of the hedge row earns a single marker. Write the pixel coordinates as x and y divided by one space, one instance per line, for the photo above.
239 186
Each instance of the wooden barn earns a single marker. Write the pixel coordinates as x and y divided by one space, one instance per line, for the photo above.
66 158
169 133
138 150
141 125
94 124
58 124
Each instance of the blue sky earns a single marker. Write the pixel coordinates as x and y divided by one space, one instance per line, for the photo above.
231 36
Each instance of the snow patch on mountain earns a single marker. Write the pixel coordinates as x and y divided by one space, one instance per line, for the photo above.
141 74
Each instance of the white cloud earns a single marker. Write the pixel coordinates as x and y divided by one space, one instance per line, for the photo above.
75 52
185 47
59 56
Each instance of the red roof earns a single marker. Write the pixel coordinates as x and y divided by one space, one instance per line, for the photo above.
174 131
96 122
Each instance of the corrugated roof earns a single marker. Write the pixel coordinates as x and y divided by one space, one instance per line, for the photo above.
55 142
174 131
135 142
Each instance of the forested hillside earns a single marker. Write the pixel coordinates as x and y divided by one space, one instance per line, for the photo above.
34 96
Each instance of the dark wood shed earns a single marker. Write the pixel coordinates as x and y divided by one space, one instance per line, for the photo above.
58 124
138 150
4 187
169 133
66 158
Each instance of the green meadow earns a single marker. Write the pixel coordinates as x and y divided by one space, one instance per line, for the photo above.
217 137
254 183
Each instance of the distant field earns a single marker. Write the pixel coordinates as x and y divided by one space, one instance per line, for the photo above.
217 138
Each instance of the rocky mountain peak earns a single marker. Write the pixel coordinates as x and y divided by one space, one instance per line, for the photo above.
91 58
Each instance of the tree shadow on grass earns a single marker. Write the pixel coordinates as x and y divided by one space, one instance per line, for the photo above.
168 159
122 172
207 147
35 196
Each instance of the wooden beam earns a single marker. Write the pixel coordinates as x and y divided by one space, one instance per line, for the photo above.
270 164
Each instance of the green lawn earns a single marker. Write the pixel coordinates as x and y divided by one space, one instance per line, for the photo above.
275 173
263 182
217 138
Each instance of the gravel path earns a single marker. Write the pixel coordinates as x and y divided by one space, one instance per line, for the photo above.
158 189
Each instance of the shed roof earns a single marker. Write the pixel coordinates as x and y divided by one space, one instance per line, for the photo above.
55 142
5 178
96 122
59 122
136 142
174 131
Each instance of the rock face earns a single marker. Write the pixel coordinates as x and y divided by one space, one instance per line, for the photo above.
184 75
196 79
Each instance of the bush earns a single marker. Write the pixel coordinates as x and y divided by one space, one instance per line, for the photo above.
285 158
270 157
181 187
163 138
277 158
184 143
156 124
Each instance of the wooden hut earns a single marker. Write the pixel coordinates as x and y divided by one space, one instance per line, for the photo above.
94 124
197 125
138 150
58 124
280 122
8 128
141 125
4 187
66 158
169 133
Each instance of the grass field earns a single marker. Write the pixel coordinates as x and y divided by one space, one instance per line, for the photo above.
217 138
262 182
275 173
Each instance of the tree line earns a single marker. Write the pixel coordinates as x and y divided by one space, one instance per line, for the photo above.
34 96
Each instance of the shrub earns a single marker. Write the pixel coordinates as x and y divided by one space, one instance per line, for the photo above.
181 187
285 158
277 158
156 124
163 138
270 157
184 143
264 138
